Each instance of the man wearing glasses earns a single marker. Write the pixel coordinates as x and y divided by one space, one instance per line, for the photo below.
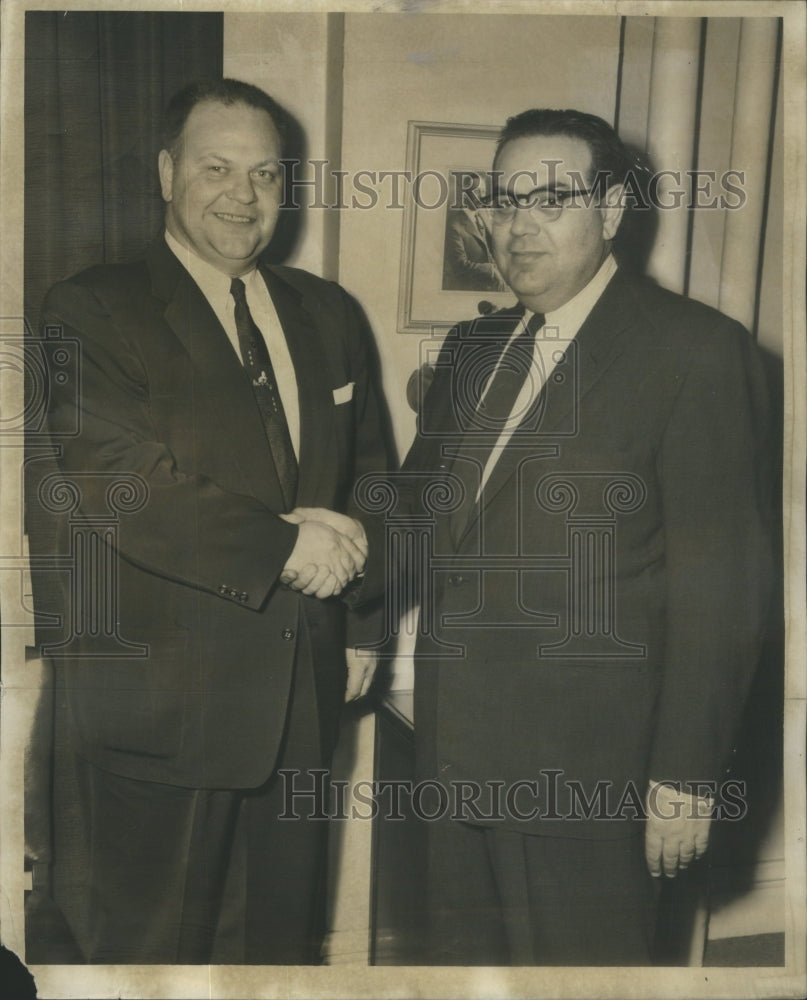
597 586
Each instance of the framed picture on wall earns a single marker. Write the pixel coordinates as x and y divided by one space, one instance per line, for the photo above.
447 272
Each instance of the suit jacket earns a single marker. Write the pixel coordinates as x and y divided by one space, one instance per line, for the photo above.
602 613
163 396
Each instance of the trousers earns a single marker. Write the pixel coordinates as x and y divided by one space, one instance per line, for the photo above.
193 876
500 897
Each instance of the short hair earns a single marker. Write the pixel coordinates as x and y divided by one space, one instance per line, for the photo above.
609 157
222 91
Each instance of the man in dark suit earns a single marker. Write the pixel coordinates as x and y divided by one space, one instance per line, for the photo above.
221 393
594 595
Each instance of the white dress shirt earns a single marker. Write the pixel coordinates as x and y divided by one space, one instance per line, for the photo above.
560 325
215 286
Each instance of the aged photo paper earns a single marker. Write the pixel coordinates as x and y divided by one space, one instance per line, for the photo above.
396 106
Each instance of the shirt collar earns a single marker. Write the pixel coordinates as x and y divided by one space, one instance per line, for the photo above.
215 284
569 317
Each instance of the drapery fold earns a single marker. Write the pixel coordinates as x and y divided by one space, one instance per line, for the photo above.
699 95
95 88
671 139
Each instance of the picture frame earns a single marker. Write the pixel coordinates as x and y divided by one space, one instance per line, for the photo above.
430 296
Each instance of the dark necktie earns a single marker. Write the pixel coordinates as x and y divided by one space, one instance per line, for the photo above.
493 413
258 365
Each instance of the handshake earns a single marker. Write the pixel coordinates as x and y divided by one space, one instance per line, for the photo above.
330 552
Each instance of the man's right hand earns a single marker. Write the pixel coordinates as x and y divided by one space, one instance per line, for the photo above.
322 562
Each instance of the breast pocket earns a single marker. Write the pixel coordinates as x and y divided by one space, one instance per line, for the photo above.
342 420
343 394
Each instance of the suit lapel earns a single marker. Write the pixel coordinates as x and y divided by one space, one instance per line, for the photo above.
467 381
596 346
315 393
220 381
452 427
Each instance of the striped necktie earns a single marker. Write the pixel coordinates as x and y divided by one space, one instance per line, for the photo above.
494 411
258 365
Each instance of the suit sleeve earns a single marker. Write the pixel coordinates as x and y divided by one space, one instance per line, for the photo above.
189 529
716 515
420 468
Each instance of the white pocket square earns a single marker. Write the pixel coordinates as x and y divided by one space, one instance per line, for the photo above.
343 394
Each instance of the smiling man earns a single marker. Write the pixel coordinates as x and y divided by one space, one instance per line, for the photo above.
597 598
221 180
225 393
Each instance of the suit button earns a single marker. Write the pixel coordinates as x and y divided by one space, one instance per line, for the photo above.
243 597
288 634
222 589
455 579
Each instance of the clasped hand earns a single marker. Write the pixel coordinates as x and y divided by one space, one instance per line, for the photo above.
331 550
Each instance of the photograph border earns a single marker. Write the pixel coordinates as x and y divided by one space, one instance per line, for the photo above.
251 983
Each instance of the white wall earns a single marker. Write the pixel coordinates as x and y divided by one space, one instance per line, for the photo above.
287 56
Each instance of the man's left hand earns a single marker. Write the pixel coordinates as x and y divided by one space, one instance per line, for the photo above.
361 667
347 526
677 829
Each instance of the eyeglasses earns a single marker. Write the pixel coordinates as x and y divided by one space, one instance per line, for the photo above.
543 205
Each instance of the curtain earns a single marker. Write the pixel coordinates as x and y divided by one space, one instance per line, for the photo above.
703 95
95 88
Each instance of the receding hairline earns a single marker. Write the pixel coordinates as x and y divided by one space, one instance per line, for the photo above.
235 102
545 134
